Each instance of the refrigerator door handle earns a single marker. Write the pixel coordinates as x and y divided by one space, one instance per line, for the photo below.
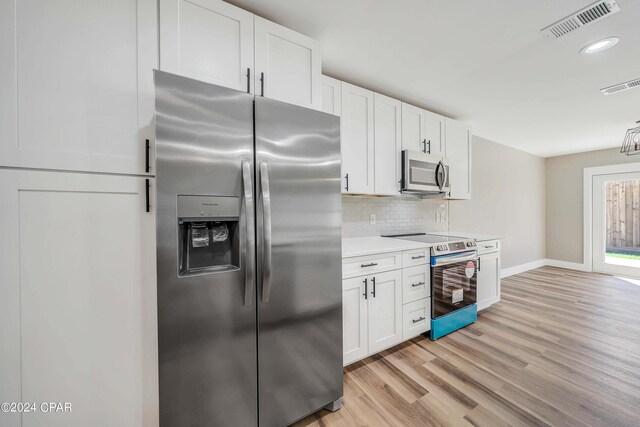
266 226
249 243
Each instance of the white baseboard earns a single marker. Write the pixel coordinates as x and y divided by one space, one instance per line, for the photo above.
566 264
516 269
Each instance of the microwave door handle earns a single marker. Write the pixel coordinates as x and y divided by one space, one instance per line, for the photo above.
248 252
438 176
266 228
446 174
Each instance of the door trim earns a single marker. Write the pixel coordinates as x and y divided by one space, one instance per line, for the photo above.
587 200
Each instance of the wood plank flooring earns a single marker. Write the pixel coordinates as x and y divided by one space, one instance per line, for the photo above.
562 348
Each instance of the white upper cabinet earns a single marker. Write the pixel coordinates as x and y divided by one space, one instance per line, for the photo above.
331 96
208 40
78 307
76 84
422 130
387 144
288 65
357 144
458 153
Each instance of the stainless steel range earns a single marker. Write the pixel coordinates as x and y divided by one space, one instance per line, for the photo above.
454 272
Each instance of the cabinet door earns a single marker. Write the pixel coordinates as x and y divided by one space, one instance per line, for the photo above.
385 310
488 280
387 145
331 96
288 65
434 133
356 133
208 40
458 153
354 320
78 306
76 80
413 131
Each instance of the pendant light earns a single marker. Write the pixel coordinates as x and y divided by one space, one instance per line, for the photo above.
631 143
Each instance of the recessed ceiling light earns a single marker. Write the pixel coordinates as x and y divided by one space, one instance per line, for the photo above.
600 45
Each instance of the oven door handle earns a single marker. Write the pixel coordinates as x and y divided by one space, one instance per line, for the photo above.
446 260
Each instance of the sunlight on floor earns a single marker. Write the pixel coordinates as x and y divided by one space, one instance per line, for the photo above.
629 280
622 261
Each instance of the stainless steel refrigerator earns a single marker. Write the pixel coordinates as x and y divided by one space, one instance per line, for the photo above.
249 257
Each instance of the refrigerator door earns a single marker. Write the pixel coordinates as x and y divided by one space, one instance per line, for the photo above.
299 261
206 254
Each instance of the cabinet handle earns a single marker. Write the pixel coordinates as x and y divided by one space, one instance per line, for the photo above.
478 264
248 80
371 264
373 281
418 320
261 84
365 288
417 257
413 285
429 145
346 177
147 148
424 148
147 185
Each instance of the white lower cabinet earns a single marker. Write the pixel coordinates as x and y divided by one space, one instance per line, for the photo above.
355 343
384 307
78 306
385 314
488 291
416 318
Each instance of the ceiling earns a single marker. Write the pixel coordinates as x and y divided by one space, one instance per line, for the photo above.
483 62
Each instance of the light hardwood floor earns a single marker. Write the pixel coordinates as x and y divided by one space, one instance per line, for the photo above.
562 348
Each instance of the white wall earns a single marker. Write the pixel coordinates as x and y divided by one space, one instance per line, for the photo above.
508 199
564 194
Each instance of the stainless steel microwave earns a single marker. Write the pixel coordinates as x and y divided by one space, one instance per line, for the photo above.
424 173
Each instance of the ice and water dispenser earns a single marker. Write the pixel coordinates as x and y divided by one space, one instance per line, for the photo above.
208 234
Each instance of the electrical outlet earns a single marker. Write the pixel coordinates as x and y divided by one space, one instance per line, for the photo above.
372 219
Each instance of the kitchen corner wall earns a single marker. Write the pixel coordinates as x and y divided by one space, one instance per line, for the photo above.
394 215
508 200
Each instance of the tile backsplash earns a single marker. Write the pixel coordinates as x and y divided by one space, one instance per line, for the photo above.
393 215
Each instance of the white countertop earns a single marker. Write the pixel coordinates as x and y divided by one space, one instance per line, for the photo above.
475 236
359 246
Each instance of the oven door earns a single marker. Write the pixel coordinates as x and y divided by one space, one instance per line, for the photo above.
424 173
453 282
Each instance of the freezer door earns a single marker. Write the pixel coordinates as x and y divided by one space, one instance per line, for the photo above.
205 254
299 261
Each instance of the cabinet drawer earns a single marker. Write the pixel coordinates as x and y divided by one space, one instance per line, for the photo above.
415 257
360 266
416 318
488 246
416 283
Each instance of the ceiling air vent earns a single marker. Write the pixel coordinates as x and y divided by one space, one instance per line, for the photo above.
621 87
588 15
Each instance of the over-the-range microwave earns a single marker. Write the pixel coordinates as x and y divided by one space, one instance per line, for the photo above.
424 173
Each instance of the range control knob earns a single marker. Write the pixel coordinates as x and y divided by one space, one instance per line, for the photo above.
441 248
471 244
